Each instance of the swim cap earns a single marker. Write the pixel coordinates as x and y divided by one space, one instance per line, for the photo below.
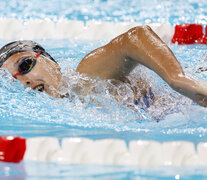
21 46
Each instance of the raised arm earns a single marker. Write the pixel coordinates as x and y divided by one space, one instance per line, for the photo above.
141 45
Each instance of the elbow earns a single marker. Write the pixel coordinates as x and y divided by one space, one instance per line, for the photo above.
131 35
131 39
138 31
137 35
134 39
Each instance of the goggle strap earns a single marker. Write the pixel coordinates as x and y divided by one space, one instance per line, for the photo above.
15 75
37 55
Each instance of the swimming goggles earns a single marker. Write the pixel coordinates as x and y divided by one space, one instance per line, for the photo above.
26 65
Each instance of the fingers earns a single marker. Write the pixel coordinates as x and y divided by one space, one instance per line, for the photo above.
202 100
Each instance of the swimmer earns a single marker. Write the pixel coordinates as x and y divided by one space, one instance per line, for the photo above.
34 67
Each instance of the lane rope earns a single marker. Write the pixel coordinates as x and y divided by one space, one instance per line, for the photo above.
102 152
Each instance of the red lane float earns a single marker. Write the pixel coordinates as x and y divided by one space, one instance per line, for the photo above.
12 148
205 37
189 34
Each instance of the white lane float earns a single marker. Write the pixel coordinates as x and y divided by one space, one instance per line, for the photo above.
15 29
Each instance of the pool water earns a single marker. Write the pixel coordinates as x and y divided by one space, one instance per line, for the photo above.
29 113
173 11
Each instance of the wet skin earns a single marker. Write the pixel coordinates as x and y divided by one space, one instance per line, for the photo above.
140 45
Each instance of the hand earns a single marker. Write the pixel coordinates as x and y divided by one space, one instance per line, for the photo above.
191 88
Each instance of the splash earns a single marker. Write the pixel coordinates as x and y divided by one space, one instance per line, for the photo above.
202 65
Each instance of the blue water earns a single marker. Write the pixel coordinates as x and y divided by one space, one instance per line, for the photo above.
27 113
173 11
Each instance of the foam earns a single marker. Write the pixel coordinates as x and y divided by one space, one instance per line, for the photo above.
66 29
115 152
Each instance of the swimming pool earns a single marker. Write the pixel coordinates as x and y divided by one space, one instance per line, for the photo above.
31 114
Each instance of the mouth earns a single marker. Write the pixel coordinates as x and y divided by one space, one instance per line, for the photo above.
39 87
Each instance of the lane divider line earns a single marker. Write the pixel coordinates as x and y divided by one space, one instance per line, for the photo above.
34 29
102 152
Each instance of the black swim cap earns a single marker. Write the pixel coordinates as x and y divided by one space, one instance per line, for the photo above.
21 46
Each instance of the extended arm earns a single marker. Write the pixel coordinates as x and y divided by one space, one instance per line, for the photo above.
141 45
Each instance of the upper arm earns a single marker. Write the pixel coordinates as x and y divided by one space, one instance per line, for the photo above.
107 62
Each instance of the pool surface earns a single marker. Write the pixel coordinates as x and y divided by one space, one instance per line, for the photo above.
28 113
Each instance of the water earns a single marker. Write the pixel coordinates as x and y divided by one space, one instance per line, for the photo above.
95 172
28 113
174 11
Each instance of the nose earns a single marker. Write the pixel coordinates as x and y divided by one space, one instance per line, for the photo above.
28 83
25 80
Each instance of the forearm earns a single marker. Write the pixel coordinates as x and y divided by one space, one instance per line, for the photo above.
191 88
145 47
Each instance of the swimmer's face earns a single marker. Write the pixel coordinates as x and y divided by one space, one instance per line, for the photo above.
45 75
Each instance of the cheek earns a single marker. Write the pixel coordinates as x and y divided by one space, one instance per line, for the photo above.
50 74
47 72
37 73
51 69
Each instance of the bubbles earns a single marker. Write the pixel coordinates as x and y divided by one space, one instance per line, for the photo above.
202 65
